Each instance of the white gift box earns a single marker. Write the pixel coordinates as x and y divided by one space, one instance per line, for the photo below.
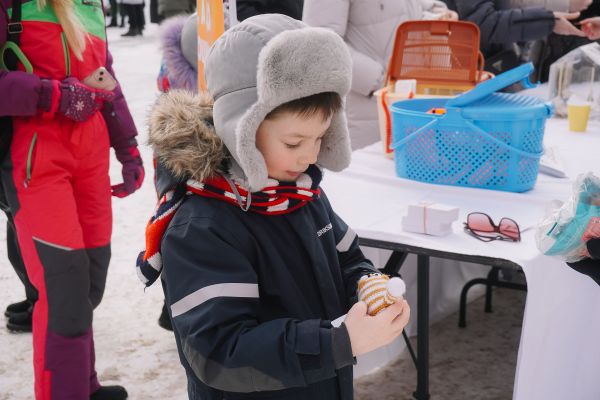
430 218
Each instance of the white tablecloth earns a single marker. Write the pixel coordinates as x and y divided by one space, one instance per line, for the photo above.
559 353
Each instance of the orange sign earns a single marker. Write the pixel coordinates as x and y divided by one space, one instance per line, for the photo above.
210 26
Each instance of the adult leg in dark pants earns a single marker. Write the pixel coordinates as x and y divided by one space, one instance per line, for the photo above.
141 19
130 11
114 12
135 14
19 314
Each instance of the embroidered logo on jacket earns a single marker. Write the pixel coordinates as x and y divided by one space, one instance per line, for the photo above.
324 230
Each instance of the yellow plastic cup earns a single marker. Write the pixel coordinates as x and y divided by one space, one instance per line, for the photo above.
578 117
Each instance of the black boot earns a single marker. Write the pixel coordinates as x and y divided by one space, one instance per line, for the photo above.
164 321
16 308
20 322
131 32
113 23
109 393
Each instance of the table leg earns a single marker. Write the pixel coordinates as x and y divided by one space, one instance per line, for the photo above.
422 392
394 263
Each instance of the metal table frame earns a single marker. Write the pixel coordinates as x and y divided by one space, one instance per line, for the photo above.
399 253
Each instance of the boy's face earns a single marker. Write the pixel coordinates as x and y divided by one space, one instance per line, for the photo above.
290 143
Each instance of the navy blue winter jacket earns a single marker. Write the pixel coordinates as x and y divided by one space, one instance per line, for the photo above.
251 297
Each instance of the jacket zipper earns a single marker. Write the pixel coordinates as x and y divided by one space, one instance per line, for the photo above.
30 159
66 53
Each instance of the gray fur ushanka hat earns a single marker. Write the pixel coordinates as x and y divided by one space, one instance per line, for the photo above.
262 63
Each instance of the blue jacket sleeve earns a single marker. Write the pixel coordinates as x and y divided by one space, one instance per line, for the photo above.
214 297
506 26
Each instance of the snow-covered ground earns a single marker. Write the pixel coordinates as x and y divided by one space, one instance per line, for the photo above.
131 349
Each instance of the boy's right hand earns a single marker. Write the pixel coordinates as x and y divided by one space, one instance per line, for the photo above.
368 333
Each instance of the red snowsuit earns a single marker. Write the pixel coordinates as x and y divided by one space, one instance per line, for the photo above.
57 185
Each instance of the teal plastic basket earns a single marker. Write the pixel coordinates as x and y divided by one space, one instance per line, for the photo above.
485 139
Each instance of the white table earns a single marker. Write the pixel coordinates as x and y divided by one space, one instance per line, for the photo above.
559 353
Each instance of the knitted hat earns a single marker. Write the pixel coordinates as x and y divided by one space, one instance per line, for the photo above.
262 63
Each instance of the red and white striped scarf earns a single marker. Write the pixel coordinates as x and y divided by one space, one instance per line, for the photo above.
275 199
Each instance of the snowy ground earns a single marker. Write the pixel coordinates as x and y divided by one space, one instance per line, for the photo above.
131 348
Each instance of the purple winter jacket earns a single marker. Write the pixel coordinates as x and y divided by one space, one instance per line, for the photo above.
23 93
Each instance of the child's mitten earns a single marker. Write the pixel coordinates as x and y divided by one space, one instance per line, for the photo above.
78 101
379 291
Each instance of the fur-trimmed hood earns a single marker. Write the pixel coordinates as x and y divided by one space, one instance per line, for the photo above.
183 137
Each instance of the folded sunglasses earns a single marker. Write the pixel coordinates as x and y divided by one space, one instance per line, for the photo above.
482 227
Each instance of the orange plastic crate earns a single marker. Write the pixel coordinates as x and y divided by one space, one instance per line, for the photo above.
443 56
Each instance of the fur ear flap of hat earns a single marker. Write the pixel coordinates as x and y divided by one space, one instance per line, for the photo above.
271 60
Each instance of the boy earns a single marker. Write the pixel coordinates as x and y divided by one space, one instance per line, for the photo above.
256 263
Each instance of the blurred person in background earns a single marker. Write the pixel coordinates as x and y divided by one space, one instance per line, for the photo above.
591 27
171 8
55 178
543 53
135 16
116 10
504 25
368 28
248 8
19 314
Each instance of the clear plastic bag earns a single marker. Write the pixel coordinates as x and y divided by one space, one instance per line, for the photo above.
576 74
560 231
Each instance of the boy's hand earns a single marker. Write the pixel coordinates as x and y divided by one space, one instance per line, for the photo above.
369 333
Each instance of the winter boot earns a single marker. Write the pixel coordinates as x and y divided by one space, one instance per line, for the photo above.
131 32
16 308
109 393
20 322
164 321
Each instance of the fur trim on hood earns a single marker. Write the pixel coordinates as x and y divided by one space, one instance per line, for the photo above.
183 137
